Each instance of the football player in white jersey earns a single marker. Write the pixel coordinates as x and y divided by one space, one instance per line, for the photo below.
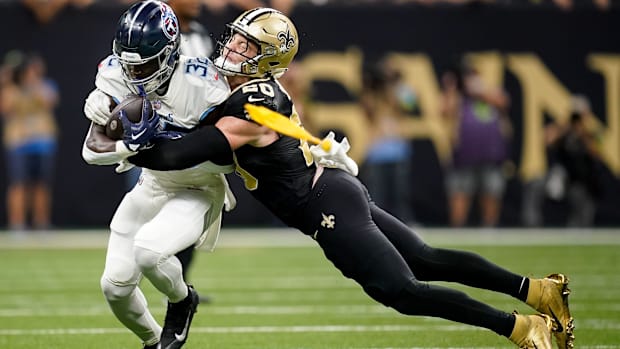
167 211
195 42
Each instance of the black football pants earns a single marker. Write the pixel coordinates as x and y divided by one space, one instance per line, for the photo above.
393 264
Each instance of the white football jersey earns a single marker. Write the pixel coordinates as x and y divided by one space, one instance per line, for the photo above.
195 89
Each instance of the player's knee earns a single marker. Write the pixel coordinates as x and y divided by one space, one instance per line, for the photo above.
412 299
114 291
146 259
402 297
384 293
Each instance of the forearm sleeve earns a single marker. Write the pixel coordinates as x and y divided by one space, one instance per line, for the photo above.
205 144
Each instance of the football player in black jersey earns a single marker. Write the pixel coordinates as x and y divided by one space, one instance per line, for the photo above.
389 260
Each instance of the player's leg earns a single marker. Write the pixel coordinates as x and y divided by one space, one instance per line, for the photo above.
548 295
178 225
186 258
121 274
355 245
438 264
119 284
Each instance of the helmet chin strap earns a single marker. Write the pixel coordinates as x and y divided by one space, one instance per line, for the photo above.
227 68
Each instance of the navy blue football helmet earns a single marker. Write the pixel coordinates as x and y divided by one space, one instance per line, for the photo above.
147 45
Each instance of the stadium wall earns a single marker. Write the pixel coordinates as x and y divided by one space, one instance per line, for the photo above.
540 55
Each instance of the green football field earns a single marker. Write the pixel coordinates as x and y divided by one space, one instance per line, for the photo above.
277 291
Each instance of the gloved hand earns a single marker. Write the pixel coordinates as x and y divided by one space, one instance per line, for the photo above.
336 157
136 135
168 134
124 166
98 107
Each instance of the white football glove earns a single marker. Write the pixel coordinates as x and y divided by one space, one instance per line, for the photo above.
124 166
336 157
97 107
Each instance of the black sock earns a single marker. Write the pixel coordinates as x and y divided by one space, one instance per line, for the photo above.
525 287
510 325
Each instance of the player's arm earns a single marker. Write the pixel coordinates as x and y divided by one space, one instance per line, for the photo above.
98 107
99 149
213 143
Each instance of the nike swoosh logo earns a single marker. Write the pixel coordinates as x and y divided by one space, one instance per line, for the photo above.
181 336
137 135
557 321
316 232
252 99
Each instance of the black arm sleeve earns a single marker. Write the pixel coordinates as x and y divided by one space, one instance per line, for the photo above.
207 143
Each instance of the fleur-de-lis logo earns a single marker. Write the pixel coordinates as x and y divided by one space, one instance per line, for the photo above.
328 222
287 41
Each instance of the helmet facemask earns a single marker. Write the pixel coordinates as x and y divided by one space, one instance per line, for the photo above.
248 67
148 73
274 35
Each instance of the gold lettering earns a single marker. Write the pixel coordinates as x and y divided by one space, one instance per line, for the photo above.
542 92
609 67
418 72
344 69
543 95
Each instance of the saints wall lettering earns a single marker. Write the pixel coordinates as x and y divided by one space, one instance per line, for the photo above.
543 94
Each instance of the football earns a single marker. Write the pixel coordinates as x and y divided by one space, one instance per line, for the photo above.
132 105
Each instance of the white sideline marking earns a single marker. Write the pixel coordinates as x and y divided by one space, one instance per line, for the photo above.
249 329
213 309
265 310
286 237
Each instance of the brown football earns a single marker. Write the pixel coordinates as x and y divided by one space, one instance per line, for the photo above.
132 105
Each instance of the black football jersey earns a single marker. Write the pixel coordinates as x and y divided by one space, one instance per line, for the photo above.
280 174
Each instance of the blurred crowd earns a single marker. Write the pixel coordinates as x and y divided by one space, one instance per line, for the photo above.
27 102
477 116
481 136
45 11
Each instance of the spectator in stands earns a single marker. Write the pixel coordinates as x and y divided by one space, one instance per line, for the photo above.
477 115
576 157
30 139
386 169
284 6
45 11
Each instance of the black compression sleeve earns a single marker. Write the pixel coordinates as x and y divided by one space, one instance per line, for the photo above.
205 144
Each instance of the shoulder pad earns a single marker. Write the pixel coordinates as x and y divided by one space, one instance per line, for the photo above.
110 79
265 92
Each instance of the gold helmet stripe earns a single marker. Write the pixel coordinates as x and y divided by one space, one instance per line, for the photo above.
251 15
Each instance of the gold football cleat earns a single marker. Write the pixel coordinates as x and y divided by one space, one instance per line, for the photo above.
533 331
550 296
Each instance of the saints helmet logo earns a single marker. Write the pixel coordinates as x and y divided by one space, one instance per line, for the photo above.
287 41
328 222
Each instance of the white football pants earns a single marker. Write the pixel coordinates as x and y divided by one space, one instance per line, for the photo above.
151 224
